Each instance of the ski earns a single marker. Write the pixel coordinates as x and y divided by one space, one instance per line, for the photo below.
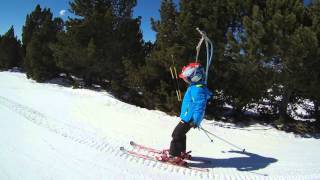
143 147
153 158
140 155
156 151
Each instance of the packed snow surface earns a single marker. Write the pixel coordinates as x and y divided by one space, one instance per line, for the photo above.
54 132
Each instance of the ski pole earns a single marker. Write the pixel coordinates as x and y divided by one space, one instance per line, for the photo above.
233 145
174 77
211 140
177 82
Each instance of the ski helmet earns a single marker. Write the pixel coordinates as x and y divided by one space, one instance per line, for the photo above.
193 72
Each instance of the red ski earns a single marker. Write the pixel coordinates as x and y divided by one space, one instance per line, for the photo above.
143 147
185 155
153 158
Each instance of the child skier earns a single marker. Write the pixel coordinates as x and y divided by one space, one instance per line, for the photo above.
192 112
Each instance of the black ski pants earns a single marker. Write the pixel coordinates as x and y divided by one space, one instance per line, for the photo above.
179 138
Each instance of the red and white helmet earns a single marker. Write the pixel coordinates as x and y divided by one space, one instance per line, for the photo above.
193 72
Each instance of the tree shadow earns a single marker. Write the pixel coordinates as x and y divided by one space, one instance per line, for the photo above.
250 163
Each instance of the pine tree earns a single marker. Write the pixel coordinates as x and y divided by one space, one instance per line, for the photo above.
243 72
96 46
177 37
284 28
35 59
158 91
32 24
217 18
311 85
81 38
10 50
276 37
40 31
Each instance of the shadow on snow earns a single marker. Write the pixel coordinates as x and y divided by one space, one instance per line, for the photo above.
249 163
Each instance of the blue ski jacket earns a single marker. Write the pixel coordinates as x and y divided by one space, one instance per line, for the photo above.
194 103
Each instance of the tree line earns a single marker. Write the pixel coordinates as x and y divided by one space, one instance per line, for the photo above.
266 54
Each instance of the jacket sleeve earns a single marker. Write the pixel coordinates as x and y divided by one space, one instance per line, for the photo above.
199 99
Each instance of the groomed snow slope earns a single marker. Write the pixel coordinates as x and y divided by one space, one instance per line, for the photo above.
54 132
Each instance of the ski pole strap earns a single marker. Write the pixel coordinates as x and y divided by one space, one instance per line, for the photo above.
198 48
209 49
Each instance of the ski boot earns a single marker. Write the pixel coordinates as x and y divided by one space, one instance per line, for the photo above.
164 156
177 161
186 155
166 151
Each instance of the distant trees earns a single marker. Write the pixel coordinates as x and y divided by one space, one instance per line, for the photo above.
10 50
100 42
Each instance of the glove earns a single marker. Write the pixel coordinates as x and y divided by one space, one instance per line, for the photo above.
192 124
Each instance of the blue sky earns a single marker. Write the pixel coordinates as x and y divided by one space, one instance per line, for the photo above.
14 12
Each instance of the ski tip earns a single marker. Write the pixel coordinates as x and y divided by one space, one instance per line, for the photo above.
121 148
132 143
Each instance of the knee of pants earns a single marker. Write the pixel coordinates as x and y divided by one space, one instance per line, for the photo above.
178 136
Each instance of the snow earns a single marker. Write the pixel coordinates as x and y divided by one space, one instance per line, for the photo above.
54 132
300 110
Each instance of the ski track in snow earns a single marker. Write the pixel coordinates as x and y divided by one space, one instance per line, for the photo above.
84 137
107 146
